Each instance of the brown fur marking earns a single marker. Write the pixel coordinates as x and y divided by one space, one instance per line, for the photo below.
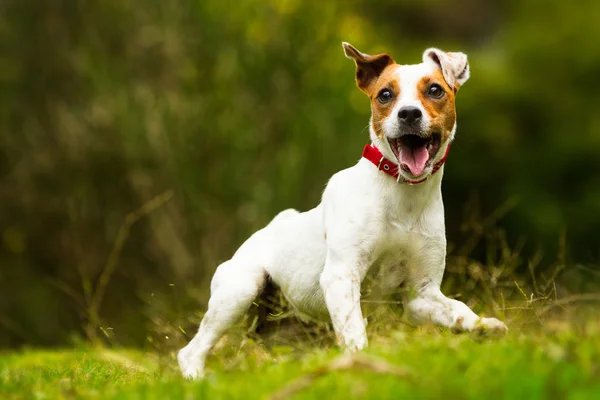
368 68
379 112
441 111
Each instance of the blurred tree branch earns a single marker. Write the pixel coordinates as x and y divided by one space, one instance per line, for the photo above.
93 308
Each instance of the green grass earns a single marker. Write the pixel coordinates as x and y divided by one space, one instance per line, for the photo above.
562 360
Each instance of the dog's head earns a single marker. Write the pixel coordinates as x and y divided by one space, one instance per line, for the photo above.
413 117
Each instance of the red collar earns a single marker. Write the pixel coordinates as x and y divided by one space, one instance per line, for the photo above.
373 154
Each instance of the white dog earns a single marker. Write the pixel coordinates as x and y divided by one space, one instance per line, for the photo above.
382 218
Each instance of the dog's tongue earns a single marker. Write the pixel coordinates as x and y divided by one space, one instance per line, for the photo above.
414 158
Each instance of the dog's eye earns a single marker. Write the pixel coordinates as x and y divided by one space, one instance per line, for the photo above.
384 96
435 91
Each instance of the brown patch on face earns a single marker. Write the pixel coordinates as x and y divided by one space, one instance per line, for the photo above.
379 112
441 111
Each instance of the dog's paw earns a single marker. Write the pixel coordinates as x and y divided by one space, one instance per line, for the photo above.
189 369
489 328
192 373
353 344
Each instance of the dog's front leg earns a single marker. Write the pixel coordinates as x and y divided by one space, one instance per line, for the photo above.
428 305
340 282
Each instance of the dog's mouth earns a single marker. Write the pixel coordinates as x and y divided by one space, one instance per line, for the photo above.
414 152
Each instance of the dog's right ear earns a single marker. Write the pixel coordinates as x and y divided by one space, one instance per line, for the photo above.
368 68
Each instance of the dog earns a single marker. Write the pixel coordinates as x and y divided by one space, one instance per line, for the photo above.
380 221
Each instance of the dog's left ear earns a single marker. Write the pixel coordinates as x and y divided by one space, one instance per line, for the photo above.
368 68
455 66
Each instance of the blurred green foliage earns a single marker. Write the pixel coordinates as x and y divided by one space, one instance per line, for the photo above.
243 108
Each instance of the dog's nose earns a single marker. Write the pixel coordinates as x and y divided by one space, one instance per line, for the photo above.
410 115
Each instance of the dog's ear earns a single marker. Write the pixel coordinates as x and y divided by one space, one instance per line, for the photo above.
368 68
455 66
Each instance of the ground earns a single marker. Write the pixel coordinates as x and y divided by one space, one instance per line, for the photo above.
559 359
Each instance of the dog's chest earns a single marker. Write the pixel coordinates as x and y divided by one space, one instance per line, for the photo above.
403 238
389 262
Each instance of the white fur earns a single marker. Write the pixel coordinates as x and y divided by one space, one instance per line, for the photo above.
366 224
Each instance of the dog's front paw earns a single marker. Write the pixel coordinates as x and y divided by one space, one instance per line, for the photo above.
489 328
189 369
353 344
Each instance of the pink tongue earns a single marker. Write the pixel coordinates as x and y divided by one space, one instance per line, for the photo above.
414 158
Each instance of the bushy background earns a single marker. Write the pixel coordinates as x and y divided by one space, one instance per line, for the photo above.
230 111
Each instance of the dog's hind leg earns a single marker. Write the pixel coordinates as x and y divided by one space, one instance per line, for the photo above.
233 288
